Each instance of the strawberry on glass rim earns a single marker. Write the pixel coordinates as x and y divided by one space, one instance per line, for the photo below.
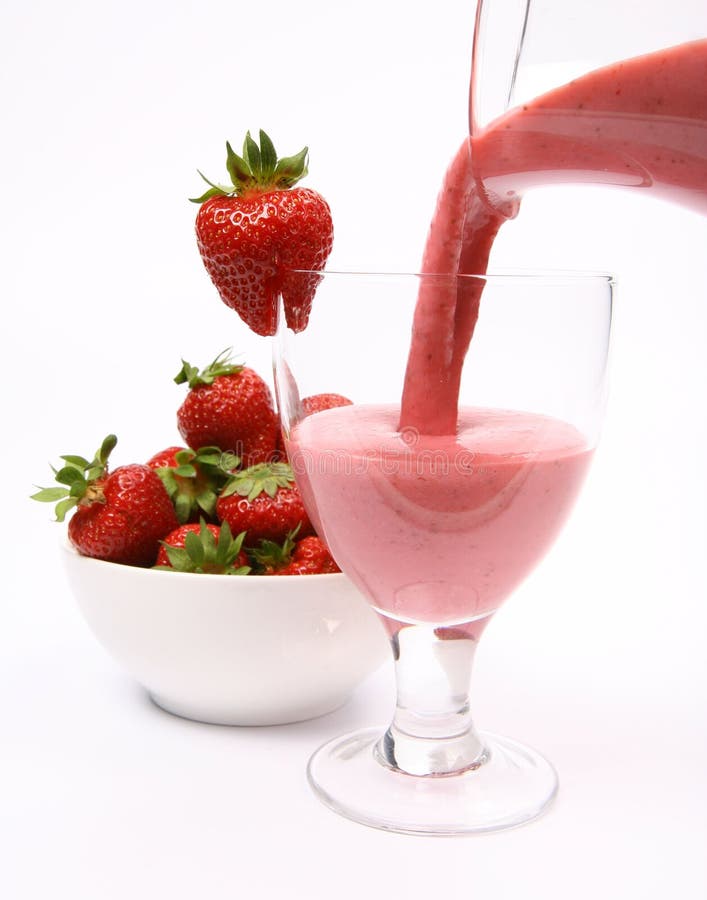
254 234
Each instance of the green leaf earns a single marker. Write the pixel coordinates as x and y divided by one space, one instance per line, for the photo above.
166 476
107 448
208 541
229 461
63 507
225 532
207 195
182 457
208 455
206 501
50 494
194 548
186 373
263 477
251 154
78 489
225 539
256 167
215 190
268 156
290 169
235 545
77 461
249 488
222 365
182 508
185 471
178 557
270 554
70 475
283 470
238 168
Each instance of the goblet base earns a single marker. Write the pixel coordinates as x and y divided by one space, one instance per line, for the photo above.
514 785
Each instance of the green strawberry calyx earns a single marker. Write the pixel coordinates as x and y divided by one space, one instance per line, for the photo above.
204 554
261 478
270 556
193 483
257 170
81 480
222 365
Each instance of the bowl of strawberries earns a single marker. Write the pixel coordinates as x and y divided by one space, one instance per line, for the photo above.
200 571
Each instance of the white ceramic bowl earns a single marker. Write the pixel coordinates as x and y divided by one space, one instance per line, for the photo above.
232 650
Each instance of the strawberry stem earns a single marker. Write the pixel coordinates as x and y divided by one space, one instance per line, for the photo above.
80 479
261 478
271 556
203 553
222 365
258 169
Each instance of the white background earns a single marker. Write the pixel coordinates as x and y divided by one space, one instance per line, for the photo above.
107 110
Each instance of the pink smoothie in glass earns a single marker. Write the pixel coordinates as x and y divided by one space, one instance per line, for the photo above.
437 529
640 123
441 529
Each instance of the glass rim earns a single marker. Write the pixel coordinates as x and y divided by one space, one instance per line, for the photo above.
498 275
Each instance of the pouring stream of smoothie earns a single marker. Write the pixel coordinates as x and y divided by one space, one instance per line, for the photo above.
638 123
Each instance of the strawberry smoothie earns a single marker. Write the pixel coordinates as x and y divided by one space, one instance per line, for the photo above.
640 123
440 530
437 529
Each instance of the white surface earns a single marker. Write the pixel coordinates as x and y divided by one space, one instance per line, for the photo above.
598 661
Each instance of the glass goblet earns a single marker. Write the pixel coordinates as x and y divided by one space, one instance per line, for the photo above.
438 529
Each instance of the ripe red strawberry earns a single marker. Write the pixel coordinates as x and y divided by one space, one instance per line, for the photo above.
192 479
120 516
310 405
307 556
204 548
256 232
319 402
228 406
263 501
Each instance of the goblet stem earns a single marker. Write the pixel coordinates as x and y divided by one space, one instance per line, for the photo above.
432 732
